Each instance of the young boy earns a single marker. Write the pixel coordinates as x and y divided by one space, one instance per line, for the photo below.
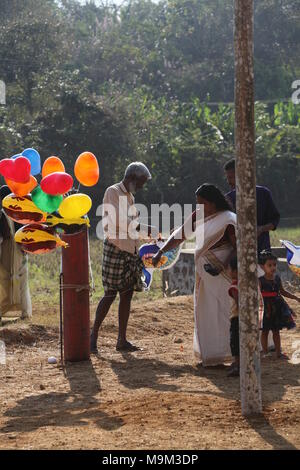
234 319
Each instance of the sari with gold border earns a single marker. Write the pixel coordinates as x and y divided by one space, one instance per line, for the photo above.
211 299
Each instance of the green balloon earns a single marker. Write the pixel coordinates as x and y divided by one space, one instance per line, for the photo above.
45 202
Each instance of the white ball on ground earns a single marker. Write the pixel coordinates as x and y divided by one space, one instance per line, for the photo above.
52 360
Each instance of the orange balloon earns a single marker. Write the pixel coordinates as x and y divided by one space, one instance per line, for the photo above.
52 165
22 189
87 169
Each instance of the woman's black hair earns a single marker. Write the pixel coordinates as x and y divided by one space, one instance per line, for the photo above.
265 256
211 193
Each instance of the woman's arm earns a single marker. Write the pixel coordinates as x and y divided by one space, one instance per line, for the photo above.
229 235
178 237
171 243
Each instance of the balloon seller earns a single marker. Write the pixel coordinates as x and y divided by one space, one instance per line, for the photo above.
122 266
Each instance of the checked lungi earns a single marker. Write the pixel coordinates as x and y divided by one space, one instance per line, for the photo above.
120 270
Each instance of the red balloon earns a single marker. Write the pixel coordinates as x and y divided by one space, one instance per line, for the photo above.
17 170
57 183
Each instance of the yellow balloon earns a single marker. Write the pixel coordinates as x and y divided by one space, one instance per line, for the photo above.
74 206
54 221
22 209
36 234
38 239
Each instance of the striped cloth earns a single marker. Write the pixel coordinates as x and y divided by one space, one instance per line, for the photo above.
121 270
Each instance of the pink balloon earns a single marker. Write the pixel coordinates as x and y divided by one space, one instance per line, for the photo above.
17 170
57 183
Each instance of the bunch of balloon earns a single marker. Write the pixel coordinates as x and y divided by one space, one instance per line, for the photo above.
54 214
53 198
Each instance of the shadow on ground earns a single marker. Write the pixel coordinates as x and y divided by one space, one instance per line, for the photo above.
138 373
75 408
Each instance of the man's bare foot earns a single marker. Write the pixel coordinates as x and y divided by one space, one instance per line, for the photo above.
126 346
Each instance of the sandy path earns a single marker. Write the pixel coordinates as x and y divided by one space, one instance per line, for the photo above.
157 398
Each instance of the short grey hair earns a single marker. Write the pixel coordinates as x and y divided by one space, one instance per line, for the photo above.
137 169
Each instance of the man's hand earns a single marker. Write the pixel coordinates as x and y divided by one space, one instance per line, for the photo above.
156 258
264 228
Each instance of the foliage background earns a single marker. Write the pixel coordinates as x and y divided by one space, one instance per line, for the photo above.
150 81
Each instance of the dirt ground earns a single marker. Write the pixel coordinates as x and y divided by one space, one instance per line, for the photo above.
157 398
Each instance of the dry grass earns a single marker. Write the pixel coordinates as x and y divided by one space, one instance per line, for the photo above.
44 276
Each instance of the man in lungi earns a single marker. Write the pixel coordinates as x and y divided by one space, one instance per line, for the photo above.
268 216
122 266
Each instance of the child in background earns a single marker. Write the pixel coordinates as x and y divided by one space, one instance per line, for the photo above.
234 319
277 313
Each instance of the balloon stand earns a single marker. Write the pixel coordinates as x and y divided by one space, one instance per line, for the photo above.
75 297
42 208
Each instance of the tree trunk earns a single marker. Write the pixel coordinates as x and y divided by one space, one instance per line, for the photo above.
246 209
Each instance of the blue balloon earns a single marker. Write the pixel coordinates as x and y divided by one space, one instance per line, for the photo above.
34 157
16 156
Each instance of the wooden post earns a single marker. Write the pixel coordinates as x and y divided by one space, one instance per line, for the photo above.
246 209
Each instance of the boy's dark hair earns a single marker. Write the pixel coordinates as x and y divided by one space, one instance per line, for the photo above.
233 263
265 256
230 165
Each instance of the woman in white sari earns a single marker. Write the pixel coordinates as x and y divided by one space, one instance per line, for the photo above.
213 252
